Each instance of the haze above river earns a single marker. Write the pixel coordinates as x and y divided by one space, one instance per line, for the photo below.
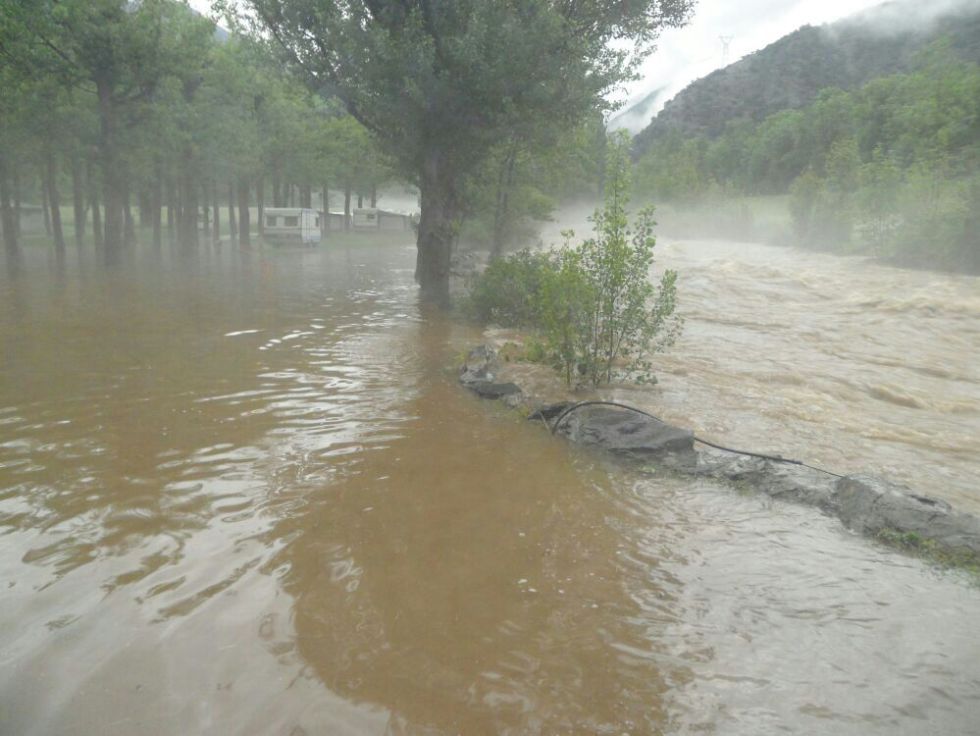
242 494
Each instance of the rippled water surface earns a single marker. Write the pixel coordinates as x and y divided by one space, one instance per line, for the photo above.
243 495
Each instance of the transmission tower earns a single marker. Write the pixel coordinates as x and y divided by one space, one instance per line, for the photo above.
726 42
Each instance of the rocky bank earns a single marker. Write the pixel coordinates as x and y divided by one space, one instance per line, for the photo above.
864 503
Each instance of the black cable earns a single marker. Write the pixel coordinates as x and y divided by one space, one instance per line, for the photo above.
553 427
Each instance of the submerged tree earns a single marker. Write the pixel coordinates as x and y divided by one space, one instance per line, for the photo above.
442 83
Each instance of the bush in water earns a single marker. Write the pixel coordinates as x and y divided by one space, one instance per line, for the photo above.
593 303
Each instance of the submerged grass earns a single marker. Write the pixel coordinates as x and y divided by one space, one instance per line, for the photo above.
928 550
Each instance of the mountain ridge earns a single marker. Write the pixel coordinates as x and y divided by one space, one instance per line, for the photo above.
790 72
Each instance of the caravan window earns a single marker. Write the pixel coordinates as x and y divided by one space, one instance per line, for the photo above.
270 220
290 222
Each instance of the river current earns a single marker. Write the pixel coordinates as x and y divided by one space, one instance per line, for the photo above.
242 493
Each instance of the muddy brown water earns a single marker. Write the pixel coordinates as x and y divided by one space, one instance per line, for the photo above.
244 495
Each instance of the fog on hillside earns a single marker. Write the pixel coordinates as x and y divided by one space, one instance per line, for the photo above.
858 138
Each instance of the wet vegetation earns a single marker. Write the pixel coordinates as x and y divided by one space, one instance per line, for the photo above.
915 545
875 136
592 305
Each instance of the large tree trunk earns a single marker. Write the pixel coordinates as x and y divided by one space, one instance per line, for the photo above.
8 218
112 179
54 202
305 196
438 226
501 214
374 197
78 201
244 224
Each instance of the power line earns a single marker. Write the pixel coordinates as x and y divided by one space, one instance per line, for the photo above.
553 427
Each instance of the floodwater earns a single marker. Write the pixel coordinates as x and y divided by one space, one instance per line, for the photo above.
856 366
839 361
242 494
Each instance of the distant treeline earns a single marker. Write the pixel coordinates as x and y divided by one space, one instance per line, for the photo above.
891 168
131 114
126 120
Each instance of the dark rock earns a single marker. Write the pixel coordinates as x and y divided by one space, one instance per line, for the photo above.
624 432
490 390
479 366
870 505
779 480
800 484
727 466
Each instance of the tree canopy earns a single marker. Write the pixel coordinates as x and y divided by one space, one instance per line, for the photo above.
441 83
150 105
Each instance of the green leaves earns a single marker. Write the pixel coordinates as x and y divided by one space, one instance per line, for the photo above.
462 76
594 304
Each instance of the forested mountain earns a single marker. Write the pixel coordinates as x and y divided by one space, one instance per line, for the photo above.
791 72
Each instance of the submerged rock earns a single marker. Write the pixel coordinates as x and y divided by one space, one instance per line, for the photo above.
477 374
779 480
490 390
624 432
872 505
479 366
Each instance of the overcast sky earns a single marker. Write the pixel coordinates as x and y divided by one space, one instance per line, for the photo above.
688 53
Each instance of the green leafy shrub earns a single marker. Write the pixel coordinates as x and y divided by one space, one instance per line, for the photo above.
593 303
506 293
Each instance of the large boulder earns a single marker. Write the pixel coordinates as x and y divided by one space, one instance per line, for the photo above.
871 505
624 432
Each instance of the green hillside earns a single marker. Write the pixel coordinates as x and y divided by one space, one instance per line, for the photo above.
792 72
888 166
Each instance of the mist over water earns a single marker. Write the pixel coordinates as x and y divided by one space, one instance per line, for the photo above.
244 494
